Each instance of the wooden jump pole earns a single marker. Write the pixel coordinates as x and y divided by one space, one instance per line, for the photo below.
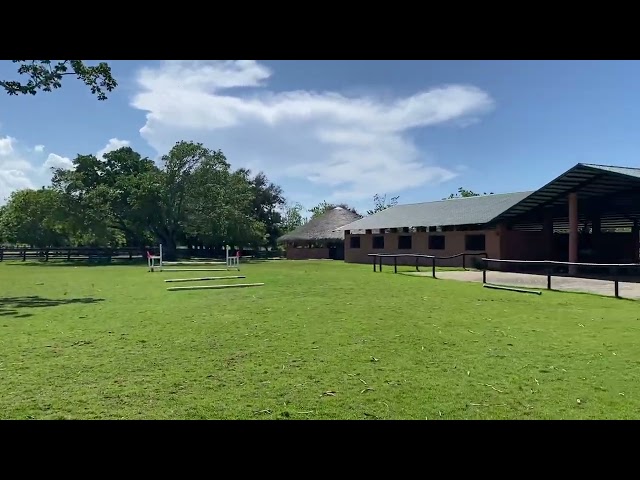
210 287
200 279
511 289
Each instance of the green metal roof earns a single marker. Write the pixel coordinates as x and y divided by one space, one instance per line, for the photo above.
455 211
629 171
590 182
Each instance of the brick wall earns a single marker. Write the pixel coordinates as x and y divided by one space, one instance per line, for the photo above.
294 253
454 244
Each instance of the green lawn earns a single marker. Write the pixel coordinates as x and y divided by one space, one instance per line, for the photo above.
320 340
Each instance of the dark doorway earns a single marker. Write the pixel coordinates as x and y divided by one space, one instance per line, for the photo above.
336 252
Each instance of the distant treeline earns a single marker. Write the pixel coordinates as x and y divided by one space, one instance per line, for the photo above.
192 197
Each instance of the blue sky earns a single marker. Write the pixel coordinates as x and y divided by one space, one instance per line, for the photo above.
342 130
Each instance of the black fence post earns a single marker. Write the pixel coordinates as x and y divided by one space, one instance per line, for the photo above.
433 267
617 293
380 265
46 255
464 261
24 255
417 268
374 262
484 270
1 253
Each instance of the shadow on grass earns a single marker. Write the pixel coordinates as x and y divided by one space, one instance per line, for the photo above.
13 306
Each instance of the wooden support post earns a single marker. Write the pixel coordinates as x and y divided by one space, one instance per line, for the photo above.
617 293
433 267
374 262
380 260
573 232
395 264
24 255
464 261
484 275
417 269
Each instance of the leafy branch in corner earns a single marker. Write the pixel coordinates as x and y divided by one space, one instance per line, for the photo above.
381 203
47 75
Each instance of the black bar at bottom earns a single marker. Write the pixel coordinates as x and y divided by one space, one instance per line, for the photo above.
616 289
395 264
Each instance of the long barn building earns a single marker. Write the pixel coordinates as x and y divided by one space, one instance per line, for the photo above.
588 214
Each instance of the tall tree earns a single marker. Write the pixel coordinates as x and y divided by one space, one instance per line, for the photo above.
35 217
380 203
268 199
121 191
47 75
219 207
176 180
291 217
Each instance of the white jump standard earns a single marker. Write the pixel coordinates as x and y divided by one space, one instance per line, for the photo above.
156 262
151 260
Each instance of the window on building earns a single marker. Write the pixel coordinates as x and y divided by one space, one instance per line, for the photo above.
354 242
404 242
378 242
436 242
474 242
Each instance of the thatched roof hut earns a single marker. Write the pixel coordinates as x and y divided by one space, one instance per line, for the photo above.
322 229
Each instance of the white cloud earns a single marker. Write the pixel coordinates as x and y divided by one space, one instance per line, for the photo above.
6 145
38 148
11 180
56 161
351 146
14 169
17 170
112 144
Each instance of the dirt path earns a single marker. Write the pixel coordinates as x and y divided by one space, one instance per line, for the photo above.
569 284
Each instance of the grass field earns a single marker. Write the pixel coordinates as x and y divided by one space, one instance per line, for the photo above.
320 340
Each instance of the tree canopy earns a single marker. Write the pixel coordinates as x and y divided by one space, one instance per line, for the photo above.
380 203
323 206
191 197
464 193
47 75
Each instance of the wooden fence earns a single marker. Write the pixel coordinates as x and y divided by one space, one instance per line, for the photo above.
103 254
71 253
